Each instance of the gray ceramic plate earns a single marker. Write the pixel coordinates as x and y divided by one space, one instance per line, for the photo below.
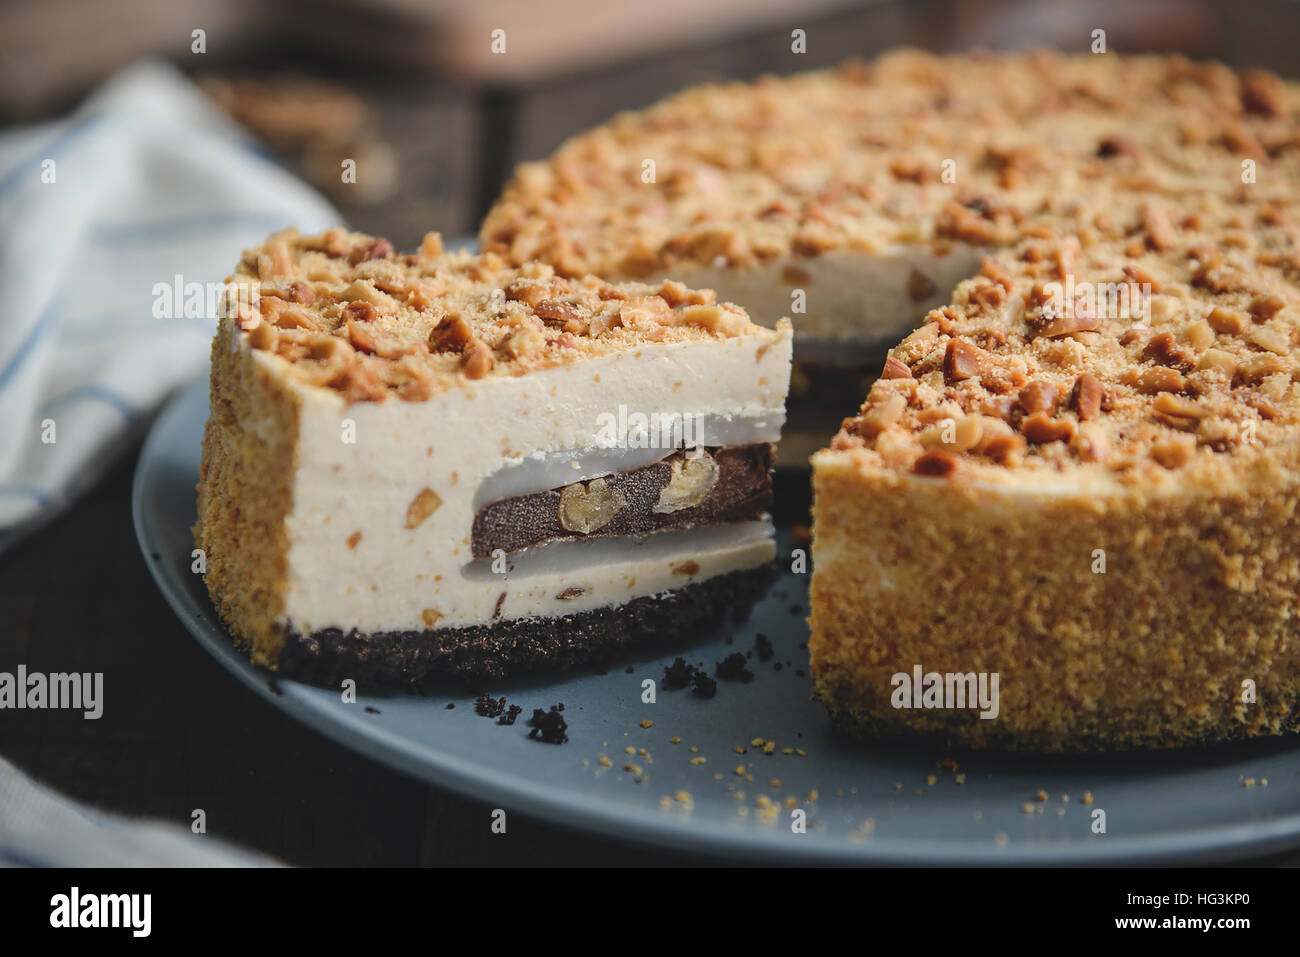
874 804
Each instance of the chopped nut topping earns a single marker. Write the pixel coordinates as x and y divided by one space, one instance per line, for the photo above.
1090 442
1178 407
1164 350
1199 335
529 291
476 361
936 463
1262 93
558 311
881 416
1154 383
1220 361
715 318
1269 338
955 435
1041 428
1038 396
347 313
1266 307
373 249
1085 399
1160 232
1226 321
262 336
1002 448
451 334
895 370
362 338
524 342
1067 324
359 312
1155 379
961 360
358 384
1174 452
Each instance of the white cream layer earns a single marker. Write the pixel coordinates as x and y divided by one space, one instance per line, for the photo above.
850 294
451 443
611 571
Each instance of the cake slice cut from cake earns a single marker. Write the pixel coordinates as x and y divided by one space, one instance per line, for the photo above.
438 462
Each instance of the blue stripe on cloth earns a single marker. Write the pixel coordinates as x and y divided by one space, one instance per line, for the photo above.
96 392
44 325
15 857
79 128
259 150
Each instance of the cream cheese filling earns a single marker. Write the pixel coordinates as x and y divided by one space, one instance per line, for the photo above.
385 493
567 577
848 294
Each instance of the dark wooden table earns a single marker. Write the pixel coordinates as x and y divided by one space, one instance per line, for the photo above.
179 732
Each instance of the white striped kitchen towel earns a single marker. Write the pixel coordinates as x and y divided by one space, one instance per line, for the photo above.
112 223
41 828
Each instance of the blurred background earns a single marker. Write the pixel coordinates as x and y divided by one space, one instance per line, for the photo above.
413 91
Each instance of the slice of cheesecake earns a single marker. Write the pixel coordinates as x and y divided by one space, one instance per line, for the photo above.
439 462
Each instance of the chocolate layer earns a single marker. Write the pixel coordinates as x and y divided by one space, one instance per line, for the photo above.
414 661
742 493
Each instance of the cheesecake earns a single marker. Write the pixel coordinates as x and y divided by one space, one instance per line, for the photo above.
441 463
1065 516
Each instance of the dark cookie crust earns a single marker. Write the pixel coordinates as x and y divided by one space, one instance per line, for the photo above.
419 661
